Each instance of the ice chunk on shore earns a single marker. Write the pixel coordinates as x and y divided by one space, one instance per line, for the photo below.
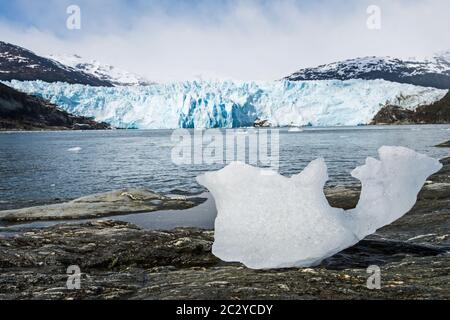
271 221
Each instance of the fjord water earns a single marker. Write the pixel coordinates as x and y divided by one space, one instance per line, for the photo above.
47 167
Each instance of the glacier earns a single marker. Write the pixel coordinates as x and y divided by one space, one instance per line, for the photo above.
232 104
266 220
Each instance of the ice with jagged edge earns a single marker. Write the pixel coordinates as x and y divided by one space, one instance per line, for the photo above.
266 220
231 104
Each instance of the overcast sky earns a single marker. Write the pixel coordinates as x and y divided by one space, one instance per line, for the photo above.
246 40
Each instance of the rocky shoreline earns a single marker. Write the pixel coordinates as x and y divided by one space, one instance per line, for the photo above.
121 261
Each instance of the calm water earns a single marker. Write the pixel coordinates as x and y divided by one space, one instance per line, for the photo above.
38 167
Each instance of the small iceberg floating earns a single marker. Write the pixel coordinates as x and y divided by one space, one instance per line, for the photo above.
295 129
266 220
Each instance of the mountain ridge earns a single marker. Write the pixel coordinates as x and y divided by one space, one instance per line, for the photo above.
432 72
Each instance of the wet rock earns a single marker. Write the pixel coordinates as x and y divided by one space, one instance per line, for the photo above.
413 275
343 197
393 115
19 111
112 203
380 252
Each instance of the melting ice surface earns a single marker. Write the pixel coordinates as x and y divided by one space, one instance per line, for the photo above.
266 220
232 104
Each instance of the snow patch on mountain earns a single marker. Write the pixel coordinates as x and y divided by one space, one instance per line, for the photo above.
106 72
231 104
433 71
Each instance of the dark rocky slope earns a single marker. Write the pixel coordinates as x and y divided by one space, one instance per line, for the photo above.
437 113
121 261
17 63
19 111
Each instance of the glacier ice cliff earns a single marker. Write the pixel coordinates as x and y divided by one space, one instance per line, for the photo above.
266 220
231 104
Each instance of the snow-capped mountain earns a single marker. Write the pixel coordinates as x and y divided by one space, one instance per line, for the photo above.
105 72
24 112
230 104
430 72
17 63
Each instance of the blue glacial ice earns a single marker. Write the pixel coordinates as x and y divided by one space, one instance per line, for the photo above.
231 104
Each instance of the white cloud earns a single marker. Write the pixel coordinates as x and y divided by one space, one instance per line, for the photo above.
248 41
